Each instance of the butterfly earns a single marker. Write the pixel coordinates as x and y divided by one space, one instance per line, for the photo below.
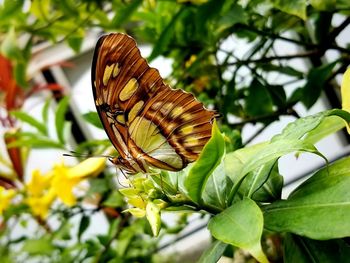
149 123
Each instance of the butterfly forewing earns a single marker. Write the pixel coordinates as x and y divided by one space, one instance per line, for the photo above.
149 123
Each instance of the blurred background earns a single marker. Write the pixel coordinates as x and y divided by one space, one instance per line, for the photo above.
260 63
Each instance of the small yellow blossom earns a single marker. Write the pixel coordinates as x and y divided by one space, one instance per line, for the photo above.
39 195
38 183
5 198
345 93
66 178
40 204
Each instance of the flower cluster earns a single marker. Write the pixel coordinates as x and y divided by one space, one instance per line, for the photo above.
43 189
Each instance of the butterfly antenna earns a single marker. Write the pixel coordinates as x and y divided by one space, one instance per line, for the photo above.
77 154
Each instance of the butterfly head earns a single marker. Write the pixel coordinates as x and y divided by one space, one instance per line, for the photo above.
127 166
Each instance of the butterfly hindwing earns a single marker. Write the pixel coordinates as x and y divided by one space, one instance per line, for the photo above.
149 123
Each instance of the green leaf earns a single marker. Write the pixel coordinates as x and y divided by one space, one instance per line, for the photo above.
329 125
10 8
124 12
97 185
217 188
208 160
25 117
213 253
153 217
269 153
304 250
316 80
20 73
9 46
83 225
319 208
296 7
36 143
42 246
93 118
302 126
165 38
75 41
258 101
61 110
324 5
45 111
240 225
232 16
114 200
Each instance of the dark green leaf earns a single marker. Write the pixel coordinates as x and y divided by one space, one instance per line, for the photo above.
25 117
61 110
75 41
213 253
316 80
208 160
83 225
258 101
304 250
20 73
322 199
93 118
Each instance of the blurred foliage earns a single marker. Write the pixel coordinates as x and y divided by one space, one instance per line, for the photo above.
43 218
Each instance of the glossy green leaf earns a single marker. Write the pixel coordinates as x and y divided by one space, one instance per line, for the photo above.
217 188
322 199
93 118
304 250
296 7
208 160
61 110
302 126
269 153
328 125
213 253
240 225
27 118
316 80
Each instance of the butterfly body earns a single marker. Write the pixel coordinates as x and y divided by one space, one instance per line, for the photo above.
149 123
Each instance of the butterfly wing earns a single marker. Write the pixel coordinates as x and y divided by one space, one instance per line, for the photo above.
145 119
120 77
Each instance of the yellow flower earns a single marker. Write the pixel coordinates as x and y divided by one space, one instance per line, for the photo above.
5 198
38 183
345 93
39 196
40 204
66 178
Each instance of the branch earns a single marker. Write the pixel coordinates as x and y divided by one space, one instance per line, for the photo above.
268 59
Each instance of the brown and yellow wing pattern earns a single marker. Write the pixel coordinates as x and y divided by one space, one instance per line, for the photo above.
149 123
